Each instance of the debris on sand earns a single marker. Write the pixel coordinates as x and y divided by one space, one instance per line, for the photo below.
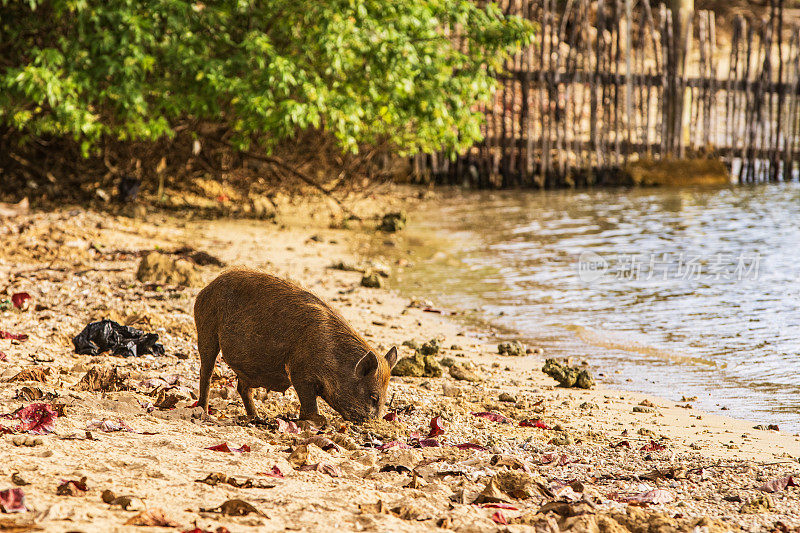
102 379
372 280
462 373
125 341
156 267
567 375
418 366
515 348
393 222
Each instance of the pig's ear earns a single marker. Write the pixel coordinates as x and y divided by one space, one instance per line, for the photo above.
391 357
367 365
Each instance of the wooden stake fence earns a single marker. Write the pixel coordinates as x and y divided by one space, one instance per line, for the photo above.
594 95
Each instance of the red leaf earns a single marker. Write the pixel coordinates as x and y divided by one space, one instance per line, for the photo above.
12 501
18 299
3 357
437 427
393 444
275 472
391 417
211 410
37 418
533 423
220 529
653 447
494 417
621 444
470 446
12 336
778 484
506 506
499 518
429 443
227 449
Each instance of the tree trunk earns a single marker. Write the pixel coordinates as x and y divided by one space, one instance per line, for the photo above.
679 102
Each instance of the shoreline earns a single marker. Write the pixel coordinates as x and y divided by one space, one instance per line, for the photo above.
725 460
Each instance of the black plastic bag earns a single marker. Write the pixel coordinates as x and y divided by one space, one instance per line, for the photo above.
107 335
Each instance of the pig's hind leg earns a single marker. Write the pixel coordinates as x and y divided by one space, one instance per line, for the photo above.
208 346
247 399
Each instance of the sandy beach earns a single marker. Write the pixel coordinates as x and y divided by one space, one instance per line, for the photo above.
453 456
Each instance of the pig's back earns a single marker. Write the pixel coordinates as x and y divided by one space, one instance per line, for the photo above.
260 320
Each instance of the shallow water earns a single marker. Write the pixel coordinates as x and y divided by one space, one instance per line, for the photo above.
671 292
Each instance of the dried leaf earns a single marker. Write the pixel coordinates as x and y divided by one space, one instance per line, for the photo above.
37 373
391 417
494 417
621 444
491 493
778 484
220 529
216 478
373 508
416 481
37 418
429 443
506 506
109 426
299 456
325 468
234 508
102 379
151 517
437 427
72 488
470 446
12 501
323 442
17 480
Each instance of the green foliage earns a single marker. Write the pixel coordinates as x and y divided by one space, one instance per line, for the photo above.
366 71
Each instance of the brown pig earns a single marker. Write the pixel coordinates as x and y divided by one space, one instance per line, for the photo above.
274 334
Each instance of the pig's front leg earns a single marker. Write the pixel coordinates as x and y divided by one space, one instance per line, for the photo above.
307 394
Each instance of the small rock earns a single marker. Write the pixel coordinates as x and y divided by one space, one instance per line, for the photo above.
462 373
760 504
506 397
643 409
568 376
450 390
371 280
26 440
562 440
511 348
393 222
430 348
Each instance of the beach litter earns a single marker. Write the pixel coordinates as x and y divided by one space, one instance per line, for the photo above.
107 335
